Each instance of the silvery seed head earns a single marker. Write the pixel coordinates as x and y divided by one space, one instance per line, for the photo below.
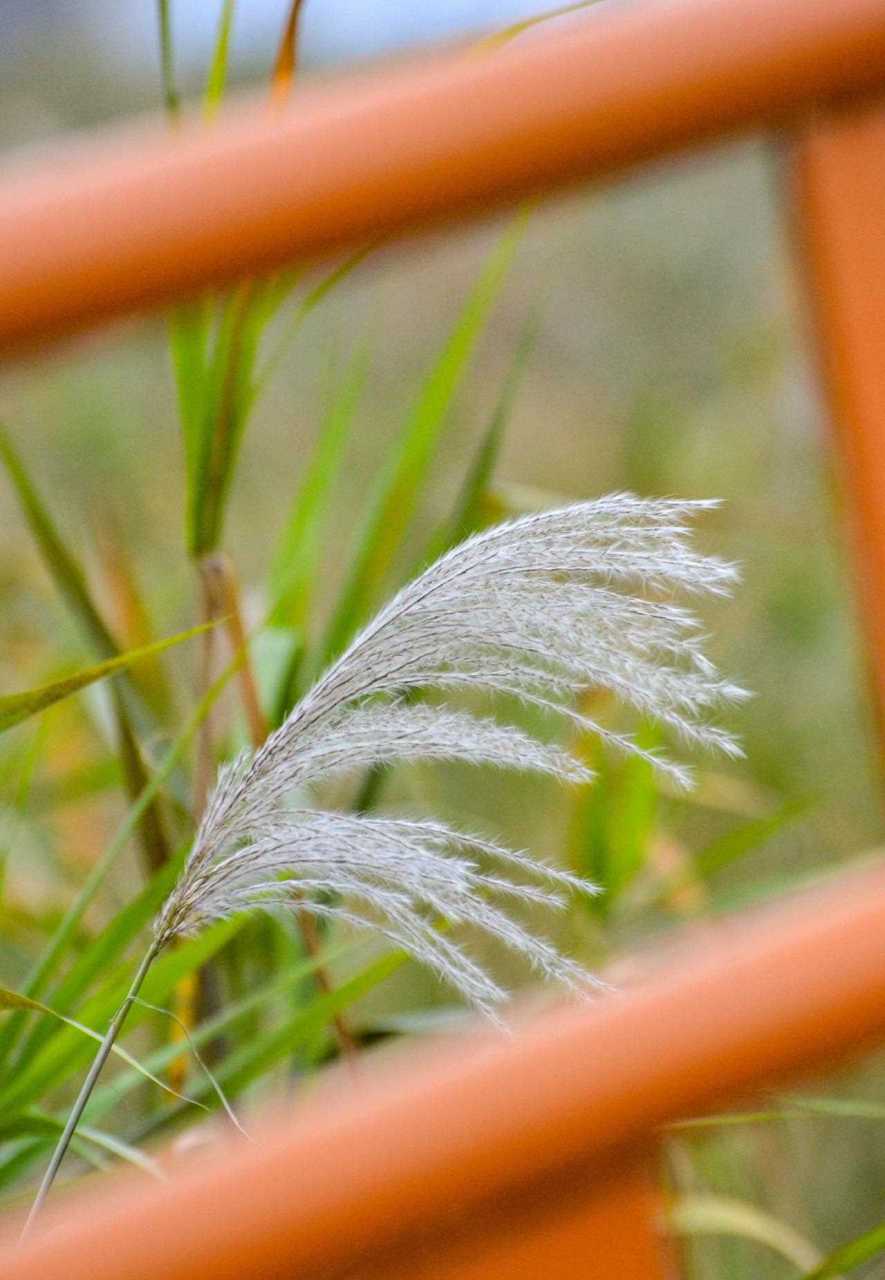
542 608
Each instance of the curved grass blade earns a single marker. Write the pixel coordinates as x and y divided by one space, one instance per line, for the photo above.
62 565
66 930
720 1215
256 1057
104 951
18 707
66 1052
849 1256
14 1000
107 1095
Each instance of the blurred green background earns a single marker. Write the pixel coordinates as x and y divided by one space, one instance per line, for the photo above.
671 356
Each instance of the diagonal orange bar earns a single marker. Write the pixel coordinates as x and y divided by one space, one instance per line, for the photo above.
393 1169
139 217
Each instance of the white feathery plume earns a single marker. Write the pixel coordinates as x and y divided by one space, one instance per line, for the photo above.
541 608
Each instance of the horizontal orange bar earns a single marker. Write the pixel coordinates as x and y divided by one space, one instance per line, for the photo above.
426 1141
139 217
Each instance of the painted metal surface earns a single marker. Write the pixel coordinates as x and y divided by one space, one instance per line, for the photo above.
476 1131
839 203
137 217
492 1156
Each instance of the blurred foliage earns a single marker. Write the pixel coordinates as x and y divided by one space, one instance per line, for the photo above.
647 337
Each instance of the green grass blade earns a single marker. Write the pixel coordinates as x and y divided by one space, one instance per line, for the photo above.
229 398
14 1000
305 307
57 946
750 836
699 1214
18 707
613 819
257 1056
38 1122
470 512
295 565
62 565
105 951
189 326
107 1095
66 1053
216 80
397 492
849 1256
171 96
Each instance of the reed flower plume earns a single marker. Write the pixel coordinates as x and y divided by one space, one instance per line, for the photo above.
542 608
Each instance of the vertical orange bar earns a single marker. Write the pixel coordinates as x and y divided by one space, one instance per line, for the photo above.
839 188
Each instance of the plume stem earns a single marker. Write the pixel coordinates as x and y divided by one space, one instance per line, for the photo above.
101 1057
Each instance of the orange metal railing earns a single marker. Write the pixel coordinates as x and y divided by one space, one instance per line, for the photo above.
488 1157
137 216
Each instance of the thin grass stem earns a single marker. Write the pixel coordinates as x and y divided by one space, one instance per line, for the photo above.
76 1112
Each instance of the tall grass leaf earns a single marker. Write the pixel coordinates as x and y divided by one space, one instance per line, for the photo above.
217 77
470 513
216 427
38 1122
171 96
231 391
849 1256
130 611
294 569
308 304
189 330
154 847
14 1000
18 707
71 582
699 1214
746 839
396 494
61 563
104 951
107 1096
67 1052
469 516
613 817
260 1054
57 947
